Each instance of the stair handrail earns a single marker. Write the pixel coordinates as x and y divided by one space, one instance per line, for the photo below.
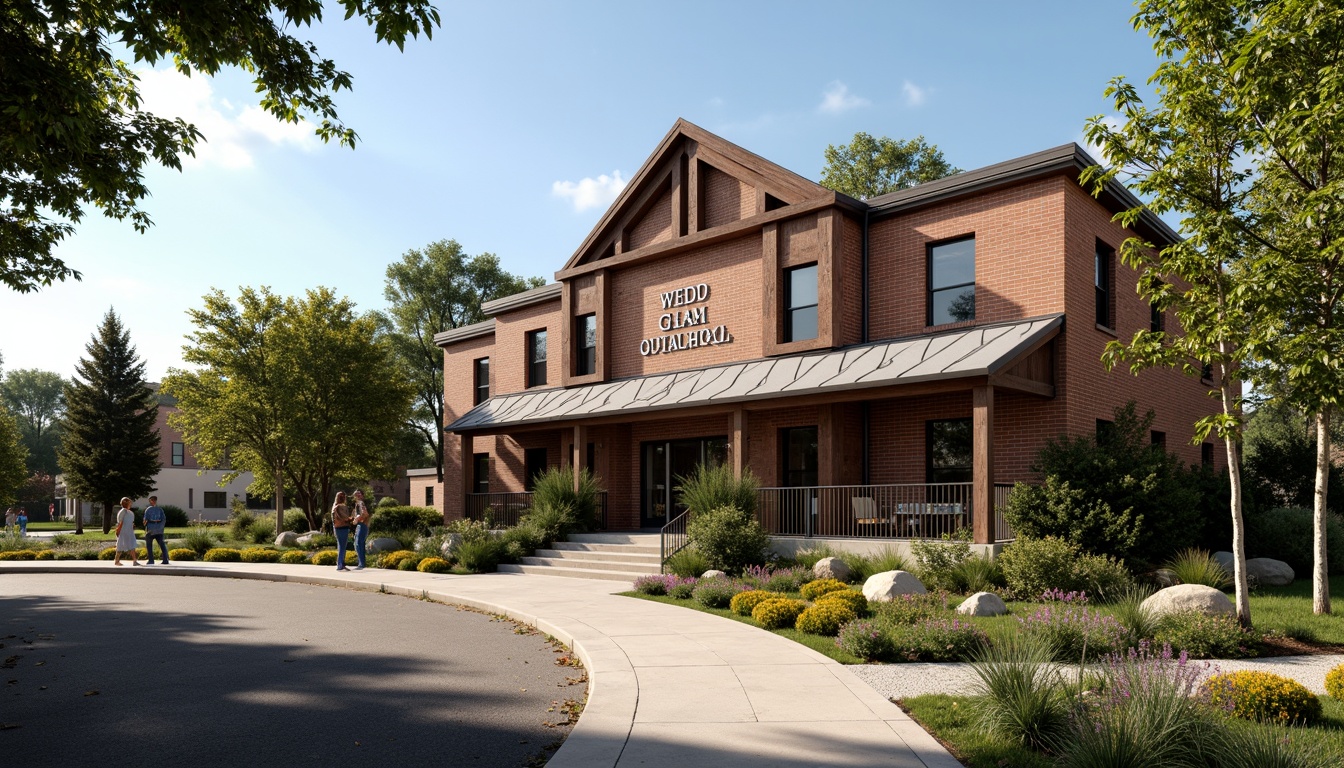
673 538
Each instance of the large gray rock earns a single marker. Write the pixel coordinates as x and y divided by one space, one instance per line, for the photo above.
287 539
306 539
1225 559
1268 572
450 544
888 585
983 604
1188 597
713 574
832 568
383 544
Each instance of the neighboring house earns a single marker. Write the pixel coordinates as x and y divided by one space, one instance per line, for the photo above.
180 480
887 368
425 488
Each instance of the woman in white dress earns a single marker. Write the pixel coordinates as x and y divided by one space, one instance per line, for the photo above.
126 532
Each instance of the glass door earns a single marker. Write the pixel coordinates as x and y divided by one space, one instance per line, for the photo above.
663 464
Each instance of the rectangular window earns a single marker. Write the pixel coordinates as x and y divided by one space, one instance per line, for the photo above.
949 450
1206 454
1105 431
952 282
800 303
534 463
1157 319
1159 439
480 472
481 377
1103 277
215 499
1206 372
801 465
429 496
179 454
585 345
536 358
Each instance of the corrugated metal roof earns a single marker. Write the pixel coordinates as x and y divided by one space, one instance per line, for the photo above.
978 351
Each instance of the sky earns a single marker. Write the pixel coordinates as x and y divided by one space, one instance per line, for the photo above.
514 129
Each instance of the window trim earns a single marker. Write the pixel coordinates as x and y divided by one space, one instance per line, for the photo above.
476 365
179 454
930 290
536 369
787 332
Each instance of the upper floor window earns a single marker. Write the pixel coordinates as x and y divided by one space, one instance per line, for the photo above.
1157 319
536 358
429 496
585 345
179 454
1206 454
1104 279
952 282
800 303
481 378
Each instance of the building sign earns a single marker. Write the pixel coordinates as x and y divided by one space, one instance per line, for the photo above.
685 323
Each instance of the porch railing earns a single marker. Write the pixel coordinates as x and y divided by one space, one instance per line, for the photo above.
907 511
504 510
673 538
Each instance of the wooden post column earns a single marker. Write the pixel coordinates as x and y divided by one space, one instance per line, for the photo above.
468 471
739 445
982 462
579 453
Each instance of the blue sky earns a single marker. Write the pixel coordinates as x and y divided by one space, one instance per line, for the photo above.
512 130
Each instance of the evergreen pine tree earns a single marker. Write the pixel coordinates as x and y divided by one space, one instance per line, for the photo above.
111 448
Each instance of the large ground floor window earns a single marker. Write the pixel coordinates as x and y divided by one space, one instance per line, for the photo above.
662 465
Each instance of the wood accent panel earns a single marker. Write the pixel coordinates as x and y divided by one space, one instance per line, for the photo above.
695 189
764 174
1020 384
982 461
1036 366
593 296
579 452
739 442
771 300
824 248
678 181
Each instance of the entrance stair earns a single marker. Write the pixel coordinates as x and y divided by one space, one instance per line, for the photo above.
608 556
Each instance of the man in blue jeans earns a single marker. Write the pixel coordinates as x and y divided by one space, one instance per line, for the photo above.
154 522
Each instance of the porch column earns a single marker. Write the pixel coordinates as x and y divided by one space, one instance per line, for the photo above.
468 471
739 446
579 453
982 484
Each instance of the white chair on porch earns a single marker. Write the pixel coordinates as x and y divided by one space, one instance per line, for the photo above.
866 511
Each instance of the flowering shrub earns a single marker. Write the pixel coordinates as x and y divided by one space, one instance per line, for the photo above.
1140 671
18 554
111 554
743 603
1334 682
325 557
46 554
1264 696
936 640
1073 630
825 617
260 555
223 555
293 557
434 565
1206 637
681 587
865 640
814 589
716 593
788 579
392 560
855 600
183 554
651 585
778 613
911 609
405 564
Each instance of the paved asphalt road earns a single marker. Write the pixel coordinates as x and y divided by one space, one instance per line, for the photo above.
163 670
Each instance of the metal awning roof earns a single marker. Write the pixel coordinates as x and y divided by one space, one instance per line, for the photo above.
979 351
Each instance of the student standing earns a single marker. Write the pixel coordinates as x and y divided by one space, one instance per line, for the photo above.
341 520
361 511
126 541
23 521
155 520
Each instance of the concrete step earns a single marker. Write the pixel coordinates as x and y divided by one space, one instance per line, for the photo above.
640 558
629 549
638 539
571 573
594 565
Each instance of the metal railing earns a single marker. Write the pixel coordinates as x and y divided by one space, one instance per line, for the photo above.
504 510
905 511
673 537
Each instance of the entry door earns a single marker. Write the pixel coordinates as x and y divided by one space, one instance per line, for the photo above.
798 473
664 464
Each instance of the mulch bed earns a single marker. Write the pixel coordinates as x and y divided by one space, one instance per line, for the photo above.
1278 645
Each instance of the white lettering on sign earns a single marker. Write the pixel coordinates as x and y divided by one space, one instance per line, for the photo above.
689 317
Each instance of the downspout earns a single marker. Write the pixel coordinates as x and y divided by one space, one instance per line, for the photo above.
863 338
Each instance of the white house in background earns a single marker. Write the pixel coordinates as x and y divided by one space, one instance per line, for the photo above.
180 481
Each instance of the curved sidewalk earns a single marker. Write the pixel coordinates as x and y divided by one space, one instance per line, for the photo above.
668 686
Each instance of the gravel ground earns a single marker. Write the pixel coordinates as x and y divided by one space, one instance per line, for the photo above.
898 681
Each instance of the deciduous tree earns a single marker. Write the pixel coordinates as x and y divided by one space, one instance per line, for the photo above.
13 458
868 167
37 398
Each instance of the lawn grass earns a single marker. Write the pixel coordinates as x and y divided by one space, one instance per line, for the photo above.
95 533
1287 610
823 645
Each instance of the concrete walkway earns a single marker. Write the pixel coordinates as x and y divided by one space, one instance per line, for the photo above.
668 686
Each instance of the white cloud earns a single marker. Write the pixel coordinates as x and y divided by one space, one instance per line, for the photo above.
231 135
914 95
837 99
1095 151
590 193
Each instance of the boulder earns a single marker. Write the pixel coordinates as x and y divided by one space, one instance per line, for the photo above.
983 604
287 539
383 544
306 539
1189 597
1164 576
832 568
885 587
1224 559
713 574
450 544
1268 572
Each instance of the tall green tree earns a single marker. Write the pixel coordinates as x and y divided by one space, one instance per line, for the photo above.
37 399
72 130
303 390
1187 156
428 291
868 167
13 459
110 447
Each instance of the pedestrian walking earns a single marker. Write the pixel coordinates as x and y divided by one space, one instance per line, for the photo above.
11 519
341 520
126 541
155 520
361 513
22 519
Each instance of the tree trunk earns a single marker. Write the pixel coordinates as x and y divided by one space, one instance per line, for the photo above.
1320 581
279 503
1243 598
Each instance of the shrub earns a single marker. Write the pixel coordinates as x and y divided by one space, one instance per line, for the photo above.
1075 632
554 488
240 523
325 557
1206 637
528 538
938 563
553 520
18 554
200 540
260 555
480 556
223 555
296 520
1334 682
825 617
261 531
1019 691
885 559
855 600
743 603
1197 566
1032 566
936 640
712 486
1101 576
716 593
387 502
688 563
1286 534
410 563
978 573
182 554
777 613
294 557
46 554
788 579
110 553
682 587
422 520
174 516
434 565
910 609
322 541
814 589
391 560
865 640
728 537
651 585
1264 696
